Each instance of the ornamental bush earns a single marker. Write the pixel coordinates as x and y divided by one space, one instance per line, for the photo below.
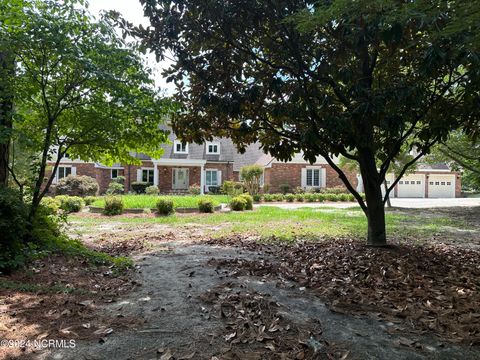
89 200
267 197
299 197
77 186
140 187
310 197
205 206
113 206
165 207
152 190
249 199
285 188
70 204
290 197
238 203
115 188
194 190
51 205
257 198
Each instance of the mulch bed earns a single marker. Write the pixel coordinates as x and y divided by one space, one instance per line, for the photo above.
423 288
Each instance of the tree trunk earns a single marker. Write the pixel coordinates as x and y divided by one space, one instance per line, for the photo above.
7 65
373 194
385 186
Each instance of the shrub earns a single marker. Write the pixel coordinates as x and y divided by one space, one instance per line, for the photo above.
252 176
268 197
299 190
77 186
140 187
194 190
113 206
238 203
299 197
277 197
70 204
147 211
152 190
249 199
214 189
266 188
257 197
290 197
232 188
331 197
310 197
13 224
89 200
335 190
119 180
284 188
51 205
320 197
343 197
205 206
165 207
115 188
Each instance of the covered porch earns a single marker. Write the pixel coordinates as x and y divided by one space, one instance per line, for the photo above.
177 175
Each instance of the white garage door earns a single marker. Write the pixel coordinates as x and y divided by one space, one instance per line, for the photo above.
389 178
441 186
412 186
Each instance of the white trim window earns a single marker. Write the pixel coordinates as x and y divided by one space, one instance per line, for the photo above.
211 178
213 148
63 171
180 147
114 173
313 177
148 175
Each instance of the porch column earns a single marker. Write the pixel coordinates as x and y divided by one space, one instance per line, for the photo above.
155 174
202 180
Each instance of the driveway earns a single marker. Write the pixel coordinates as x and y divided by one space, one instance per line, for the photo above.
402 203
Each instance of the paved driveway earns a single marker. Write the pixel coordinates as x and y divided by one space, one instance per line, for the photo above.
404 203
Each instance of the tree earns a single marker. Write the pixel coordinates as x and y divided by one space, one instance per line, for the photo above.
359 79
11 14
80 90
251 176
461 153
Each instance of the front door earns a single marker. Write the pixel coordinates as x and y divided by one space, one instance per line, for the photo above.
180 179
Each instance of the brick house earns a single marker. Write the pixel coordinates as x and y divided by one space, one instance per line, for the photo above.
210 164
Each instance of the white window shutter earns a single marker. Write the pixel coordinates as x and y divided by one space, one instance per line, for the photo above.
139 175
304 177
74 171
219 177
323 180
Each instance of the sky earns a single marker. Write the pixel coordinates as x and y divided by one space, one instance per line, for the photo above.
132 11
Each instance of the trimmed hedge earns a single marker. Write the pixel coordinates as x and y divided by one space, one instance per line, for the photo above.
77 186
165 207
70 204
152 190
205 206
113 206
238 203
140 187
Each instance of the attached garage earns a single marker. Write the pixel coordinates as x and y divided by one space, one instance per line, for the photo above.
441 186
411 186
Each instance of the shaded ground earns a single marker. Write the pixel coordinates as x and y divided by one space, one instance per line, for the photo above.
235 299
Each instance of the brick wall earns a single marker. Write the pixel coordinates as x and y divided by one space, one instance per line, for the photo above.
285 173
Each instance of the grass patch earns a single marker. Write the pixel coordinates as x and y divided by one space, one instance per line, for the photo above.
288 224
150 201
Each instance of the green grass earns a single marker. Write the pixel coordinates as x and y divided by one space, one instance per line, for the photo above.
287 224
150 201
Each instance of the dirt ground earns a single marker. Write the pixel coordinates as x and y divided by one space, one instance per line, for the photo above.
193 298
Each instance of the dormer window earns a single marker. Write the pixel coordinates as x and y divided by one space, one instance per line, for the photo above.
213 148
180 147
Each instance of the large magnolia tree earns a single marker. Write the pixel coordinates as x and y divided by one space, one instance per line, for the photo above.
361 79
80 90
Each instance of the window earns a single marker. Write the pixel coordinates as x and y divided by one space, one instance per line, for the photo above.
449 183
419 182
147 176
388 182
64 171
313 177
407 182
437 183
114 173
180 147
443 183
400 182
213 148
431 183
211 177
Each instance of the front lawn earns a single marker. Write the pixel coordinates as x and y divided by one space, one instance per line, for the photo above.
272 222
150 201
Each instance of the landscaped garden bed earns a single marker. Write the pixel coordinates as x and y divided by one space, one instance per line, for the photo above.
150 201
